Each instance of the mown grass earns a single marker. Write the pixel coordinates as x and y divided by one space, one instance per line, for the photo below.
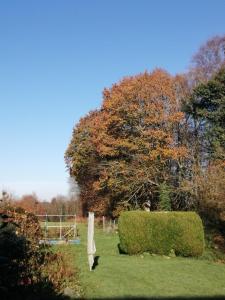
144 276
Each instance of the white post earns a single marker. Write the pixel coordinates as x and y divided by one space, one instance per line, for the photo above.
90 240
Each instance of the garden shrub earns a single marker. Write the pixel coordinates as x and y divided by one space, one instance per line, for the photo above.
28 268
161 233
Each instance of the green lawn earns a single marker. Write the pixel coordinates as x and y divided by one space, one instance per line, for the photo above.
123 276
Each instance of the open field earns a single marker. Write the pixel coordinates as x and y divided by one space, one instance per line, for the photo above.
144 276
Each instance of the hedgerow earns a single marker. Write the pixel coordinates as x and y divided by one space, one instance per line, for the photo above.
161 233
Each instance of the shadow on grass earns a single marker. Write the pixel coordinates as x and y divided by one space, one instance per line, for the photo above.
120 250
95 264
33 292
222 297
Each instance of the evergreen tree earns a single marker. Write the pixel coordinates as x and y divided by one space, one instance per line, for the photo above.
164 197
207 109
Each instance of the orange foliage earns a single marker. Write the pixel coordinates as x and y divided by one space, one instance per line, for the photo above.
30 204
129 143
207 188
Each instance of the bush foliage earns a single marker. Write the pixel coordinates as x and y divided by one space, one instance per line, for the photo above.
161 233
26 267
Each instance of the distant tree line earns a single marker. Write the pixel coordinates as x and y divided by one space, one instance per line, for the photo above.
157 142
32 204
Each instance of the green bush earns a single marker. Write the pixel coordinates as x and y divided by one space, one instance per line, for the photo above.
161 233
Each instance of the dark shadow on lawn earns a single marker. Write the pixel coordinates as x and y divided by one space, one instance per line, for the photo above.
222 297
120 250
32 292
95 264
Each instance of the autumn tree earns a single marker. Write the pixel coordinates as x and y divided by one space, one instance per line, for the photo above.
82 159
207 61
207 190
30 203
121 154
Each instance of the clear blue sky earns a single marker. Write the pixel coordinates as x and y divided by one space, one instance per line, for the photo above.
57 56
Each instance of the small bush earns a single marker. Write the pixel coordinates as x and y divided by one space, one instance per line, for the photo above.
161 233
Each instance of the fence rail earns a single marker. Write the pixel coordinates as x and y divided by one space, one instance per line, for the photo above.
72 228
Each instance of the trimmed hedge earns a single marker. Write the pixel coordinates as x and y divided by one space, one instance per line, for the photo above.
161 233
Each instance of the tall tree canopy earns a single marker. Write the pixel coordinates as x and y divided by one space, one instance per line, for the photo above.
206 141
207 109
156 141
122 154
208 60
